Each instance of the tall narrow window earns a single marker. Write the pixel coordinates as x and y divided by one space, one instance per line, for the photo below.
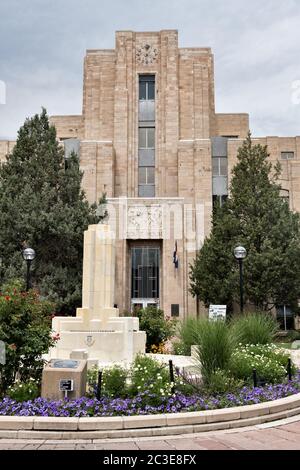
145 272
146 136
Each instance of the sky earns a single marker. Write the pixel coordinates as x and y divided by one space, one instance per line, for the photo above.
255 44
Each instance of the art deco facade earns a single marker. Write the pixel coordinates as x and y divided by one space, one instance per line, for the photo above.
149 137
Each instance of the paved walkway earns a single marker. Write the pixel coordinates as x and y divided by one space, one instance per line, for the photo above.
280 435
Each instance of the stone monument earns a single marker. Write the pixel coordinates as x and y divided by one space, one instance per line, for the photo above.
64 379
97 333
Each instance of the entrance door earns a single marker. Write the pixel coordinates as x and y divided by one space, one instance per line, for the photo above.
145 276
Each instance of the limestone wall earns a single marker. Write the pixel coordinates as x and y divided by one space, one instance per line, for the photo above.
6 146
68 127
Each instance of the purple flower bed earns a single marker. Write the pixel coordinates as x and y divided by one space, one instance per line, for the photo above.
139 405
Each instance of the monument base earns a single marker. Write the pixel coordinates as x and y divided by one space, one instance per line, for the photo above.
116 339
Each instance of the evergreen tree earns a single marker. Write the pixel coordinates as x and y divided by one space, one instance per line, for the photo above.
257 217
43 206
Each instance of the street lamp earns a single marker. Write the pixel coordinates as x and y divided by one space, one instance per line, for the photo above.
240 253
28 255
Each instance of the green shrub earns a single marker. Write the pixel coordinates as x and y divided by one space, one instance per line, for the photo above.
25 328
158 328
150 377
180 348
215 345
92 380
269 361
254 328
23 391
114 382
186 334
222 382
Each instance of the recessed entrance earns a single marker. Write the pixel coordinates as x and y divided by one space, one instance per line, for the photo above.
145 266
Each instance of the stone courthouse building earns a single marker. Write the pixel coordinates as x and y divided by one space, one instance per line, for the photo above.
150 138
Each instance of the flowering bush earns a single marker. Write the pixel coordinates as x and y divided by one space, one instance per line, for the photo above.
157 327
114 381
158 348
269 361
149 378
138 405
24 391
180 348
25 328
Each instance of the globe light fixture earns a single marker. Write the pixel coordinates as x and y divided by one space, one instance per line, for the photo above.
28 255
240 254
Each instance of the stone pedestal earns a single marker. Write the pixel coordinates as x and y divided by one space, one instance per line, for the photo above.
75 371
97 330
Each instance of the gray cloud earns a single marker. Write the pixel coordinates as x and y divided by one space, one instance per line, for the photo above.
256 48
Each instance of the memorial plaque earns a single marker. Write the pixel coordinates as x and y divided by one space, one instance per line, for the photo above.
64 364
64 377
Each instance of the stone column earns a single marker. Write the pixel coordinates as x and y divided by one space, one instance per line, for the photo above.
98 283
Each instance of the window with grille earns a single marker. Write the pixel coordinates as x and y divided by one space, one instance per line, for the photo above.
145 272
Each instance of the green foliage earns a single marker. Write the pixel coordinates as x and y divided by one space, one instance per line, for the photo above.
292 335
114 381
269 361
92 379
43 206
221 381
147 378
180 348
255 328
157 327
257 217
25 328
150 377
23 391
215 345
186 332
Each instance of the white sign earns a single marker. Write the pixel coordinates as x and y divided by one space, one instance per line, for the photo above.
217 312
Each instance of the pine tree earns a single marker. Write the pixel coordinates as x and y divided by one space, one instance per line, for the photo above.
257 217
43 206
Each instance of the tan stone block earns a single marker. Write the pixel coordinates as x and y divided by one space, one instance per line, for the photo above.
284 404
192 417
223 415
250 411
16 422
144 421
40 435
172 430
247 422
211 427
57 424
7 434
100 423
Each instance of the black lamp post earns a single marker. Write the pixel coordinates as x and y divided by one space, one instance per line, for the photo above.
240 254
28 255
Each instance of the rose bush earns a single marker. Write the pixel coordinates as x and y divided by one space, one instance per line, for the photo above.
25 329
